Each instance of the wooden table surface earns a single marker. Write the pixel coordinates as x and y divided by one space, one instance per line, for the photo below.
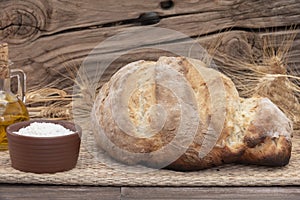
32 192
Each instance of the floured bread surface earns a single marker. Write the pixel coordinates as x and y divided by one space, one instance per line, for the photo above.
179 114
268 137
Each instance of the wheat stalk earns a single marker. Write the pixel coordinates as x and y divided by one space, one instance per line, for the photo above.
269 77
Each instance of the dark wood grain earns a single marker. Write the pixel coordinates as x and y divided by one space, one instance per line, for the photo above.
254 193
46 36
27 192
9 192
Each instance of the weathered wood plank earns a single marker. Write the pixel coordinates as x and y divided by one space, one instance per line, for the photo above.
31 192
49 17
58 56
45 36
254 193
28 192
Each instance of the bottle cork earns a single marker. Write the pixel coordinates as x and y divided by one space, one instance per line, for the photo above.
4 68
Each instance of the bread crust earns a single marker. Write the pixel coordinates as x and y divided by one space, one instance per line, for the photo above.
268 136
254 131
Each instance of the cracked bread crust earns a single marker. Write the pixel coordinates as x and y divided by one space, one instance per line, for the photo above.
254 131
268 136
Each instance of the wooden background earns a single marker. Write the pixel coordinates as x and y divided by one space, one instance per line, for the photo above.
45 36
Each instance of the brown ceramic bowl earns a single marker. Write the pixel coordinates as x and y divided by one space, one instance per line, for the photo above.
43 154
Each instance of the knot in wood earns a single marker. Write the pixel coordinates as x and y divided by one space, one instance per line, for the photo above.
149 18
21 21
168 4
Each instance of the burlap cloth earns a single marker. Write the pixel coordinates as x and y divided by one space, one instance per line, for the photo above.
91 171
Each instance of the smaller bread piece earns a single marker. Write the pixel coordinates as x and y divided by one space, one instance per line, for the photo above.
268 136
146 115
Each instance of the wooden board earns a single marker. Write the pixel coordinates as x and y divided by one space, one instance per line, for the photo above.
45 36
125 193
30 192
275 193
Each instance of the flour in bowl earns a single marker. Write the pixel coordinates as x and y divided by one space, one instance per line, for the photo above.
44 129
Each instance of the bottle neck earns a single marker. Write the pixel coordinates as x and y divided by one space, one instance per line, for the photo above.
5 84
5 76
4 68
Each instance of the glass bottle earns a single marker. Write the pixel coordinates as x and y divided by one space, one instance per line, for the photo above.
12 109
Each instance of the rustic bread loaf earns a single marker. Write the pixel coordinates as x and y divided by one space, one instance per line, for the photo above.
179 114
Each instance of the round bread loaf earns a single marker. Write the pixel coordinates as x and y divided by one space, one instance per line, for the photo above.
179 114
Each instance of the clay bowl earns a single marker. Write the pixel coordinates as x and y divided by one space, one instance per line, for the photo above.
43 154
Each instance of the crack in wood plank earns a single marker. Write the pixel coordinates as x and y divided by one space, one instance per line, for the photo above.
62 33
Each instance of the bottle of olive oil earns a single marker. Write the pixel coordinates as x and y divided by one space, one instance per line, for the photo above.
12 109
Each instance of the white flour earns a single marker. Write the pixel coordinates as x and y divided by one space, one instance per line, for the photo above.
43 129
